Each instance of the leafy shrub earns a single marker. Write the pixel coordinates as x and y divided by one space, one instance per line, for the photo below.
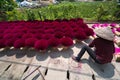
106 12
30 15
67 10
6 5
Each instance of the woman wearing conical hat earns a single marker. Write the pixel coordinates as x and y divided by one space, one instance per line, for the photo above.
103 44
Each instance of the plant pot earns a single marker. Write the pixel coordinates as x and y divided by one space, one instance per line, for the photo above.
65 48
31 49
54 48
42 51
77 41
7 48
24 48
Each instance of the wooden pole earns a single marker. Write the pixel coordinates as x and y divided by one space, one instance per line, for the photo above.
32 72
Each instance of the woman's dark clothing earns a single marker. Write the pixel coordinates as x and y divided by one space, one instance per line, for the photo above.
103 53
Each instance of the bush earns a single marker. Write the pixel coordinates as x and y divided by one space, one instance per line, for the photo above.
6 5
67 10
106 12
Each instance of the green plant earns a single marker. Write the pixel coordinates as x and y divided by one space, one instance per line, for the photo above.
106 12
30 15
66 10
40 15
117 13
101 11
6 5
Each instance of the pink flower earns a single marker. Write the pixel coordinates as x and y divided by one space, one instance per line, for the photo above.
83 25
18 35
33 31
18 26
40 31
30 42
80 35
79 20
4 26
7 36
7 31
117 50
78 29
48 36
2 43
38 35
58 29
51 31
15 30
95 26
24 30
113 30
89 31
55 23
19 43
69 34
104 25
113 24
1 35
66 41
68 29
41 44
118 29
28 35
9 42
54 42
73 24
59 34
2 30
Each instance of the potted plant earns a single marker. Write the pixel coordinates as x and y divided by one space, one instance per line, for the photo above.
66 42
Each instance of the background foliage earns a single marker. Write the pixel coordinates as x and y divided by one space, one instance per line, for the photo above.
97 10
6 5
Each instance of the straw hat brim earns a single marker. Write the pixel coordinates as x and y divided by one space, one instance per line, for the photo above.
105 33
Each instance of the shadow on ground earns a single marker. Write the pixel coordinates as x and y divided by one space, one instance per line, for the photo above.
103 70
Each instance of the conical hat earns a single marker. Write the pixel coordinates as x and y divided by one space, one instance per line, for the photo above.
105 33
